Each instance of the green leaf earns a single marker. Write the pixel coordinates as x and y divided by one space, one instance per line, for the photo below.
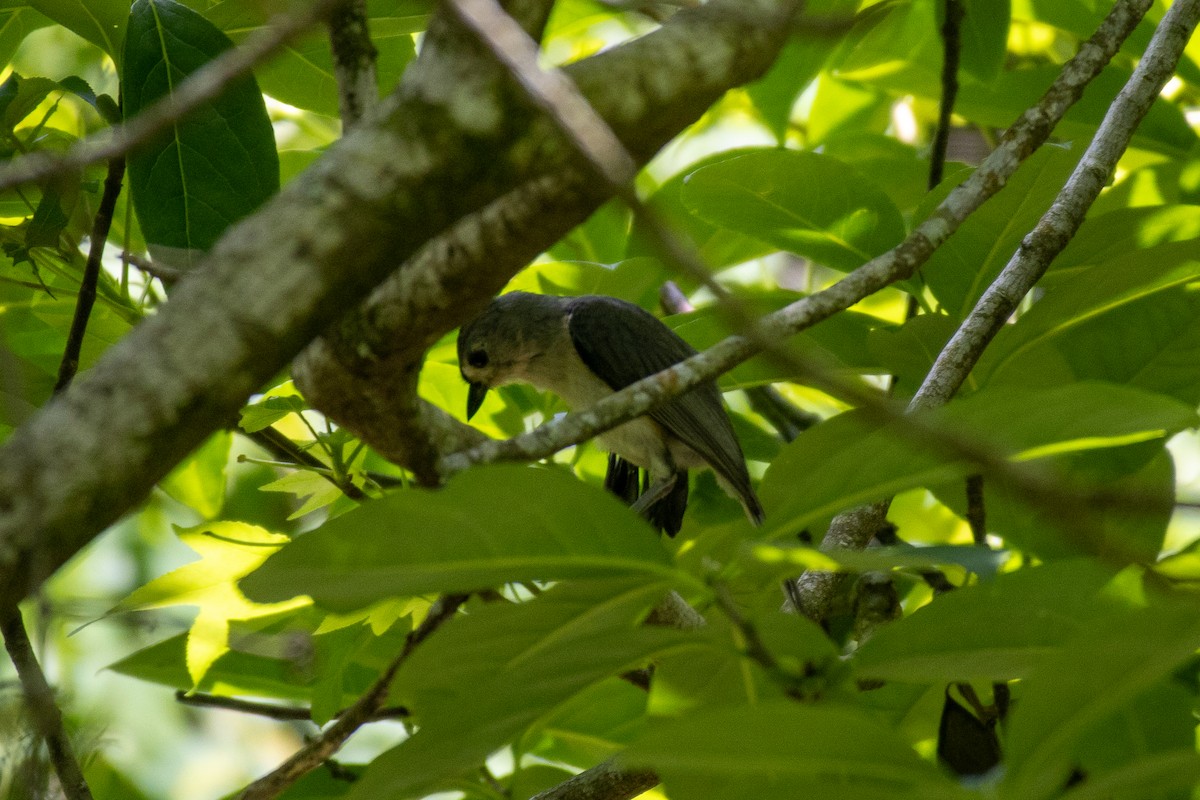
15 24
315 489
228 550
101 22
265 413
995 631
493 673
213 167
1164 129
302 73
805 203
1098 673
849 460
718 246
784 749
962 268
1133 320
199 481
796 66
984 37
469 535
1107 237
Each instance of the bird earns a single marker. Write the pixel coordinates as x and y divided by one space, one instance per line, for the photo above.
583 349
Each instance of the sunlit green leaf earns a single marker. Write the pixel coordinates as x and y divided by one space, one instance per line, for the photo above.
786 749
459 539
806 203
228 550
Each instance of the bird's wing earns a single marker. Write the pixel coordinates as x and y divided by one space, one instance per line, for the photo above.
622 343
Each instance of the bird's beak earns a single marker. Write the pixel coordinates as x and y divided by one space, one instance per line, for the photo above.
475 396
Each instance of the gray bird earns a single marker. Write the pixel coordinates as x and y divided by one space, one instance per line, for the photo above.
585 348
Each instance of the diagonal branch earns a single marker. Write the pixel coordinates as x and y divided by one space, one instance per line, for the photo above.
1028 133
855 528
316 752
448 143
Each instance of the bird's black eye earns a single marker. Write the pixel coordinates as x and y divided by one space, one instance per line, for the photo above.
477 359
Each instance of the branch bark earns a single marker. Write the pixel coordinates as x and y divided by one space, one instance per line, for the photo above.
448 143
854 529
1028 133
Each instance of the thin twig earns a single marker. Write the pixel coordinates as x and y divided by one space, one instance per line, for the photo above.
353 61
976 510
91 273
202 86
788 420
311 755
951 50
201 700
39 697
168 275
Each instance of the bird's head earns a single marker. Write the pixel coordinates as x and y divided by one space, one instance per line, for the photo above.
497 347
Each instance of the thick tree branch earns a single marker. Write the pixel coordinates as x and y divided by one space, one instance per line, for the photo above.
314 753
1021 140
854 529
447 144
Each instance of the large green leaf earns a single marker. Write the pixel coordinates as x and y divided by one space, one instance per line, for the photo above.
718 246
493 673
1101 670
993 631
213 167
101 22
984 37
15 24
228 550
802 202
1109 236
784 749
849 459
488 526
1131 320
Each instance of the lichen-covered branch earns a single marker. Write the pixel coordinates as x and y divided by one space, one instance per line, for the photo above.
447 144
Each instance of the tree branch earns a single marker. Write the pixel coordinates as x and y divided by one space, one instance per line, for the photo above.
855 528
605 781
445 145
91 273
39 697
1025 135
353 61
272 711
313 754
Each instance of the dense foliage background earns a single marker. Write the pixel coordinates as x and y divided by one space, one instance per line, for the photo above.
1028 634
